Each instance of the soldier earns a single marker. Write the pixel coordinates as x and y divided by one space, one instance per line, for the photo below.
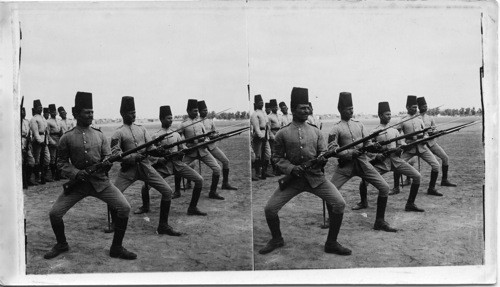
79 148
46 113
261 146
275 127
137 166
268 108
55 133
189 130
172 166
213 148
392 162
353 162
432 144
312 119
38 127
28 160
65 123
285 117
421 150
297 143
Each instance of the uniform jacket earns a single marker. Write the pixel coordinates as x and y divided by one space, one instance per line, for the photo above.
285 119
429 122
274 124
38 126
80 148
163 166
191 131
392 159
209 126
259 121
66 124
297 143
25 133
55 131
413 125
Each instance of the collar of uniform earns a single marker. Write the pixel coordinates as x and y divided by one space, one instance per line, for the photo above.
298 124
82 129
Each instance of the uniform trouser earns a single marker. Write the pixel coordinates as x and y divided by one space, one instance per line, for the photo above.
405 169
325 191
28 158
369 175
111 195
220 156
53 153
439 152
426 155
258 146
37 153
153 179
208 159
189 174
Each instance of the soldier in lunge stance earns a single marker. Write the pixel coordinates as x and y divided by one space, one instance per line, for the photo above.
285 117
55 133
137 166
260 140
392 162
297 143
353 162
80 148
189 130
216 152
275 126
28 160
38 126
421 150
432 144
172 166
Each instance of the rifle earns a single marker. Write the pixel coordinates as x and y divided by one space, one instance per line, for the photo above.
435 135
98 166
203 144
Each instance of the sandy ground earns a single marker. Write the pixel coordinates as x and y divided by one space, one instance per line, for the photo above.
449 232
220 241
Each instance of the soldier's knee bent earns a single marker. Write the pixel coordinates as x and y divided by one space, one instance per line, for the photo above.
384 190
198 182
216 170
338 207
123 210
270 212
445 159
55 216
435 167
416 179
166 195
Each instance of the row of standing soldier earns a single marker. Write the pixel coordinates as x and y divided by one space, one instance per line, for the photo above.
84 146
300 142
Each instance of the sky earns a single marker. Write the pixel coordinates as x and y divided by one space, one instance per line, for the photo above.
166 53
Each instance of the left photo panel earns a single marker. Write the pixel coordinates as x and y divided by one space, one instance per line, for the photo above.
135 137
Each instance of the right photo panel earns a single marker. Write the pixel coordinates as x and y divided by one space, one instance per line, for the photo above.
366 136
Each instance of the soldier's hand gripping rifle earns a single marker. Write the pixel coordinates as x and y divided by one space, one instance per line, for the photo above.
433 136
206 143
106 163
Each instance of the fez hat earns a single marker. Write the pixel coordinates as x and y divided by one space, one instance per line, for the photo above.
421 101
411 100
127 105
383 107
83 100
267 106
32 111
61 109
52 108
37 103
345 101
202 105
46 110
165 111
192 104
273 103
282 104
311 105
257 98
299 96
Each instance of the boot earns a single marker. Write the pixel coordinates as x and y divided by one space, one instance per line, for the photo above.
177 181
363 195
117 250
225 179
255 170
145 200
36 171
432 184
444 179
380 223
277 240
24 176
213 188
265 174
62 245
396 176
410 204
163 227
331 245
193 210
44 176
29 171
53 171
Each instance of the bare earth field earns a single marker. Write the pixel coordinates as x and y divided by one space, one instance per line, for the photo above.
449 232
220 241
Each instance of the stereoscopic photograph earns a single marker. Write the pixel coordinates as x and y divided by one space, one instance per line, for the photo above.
249 142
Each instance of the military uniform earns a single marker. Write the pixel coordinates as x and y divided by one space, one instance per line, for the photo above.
39 131
55 133
297 143
78 149
285 119
66 124
26 137
260 141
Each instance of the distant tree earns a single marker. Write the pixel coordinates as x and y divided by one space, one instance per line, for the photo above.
473 111
467 111
461 112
